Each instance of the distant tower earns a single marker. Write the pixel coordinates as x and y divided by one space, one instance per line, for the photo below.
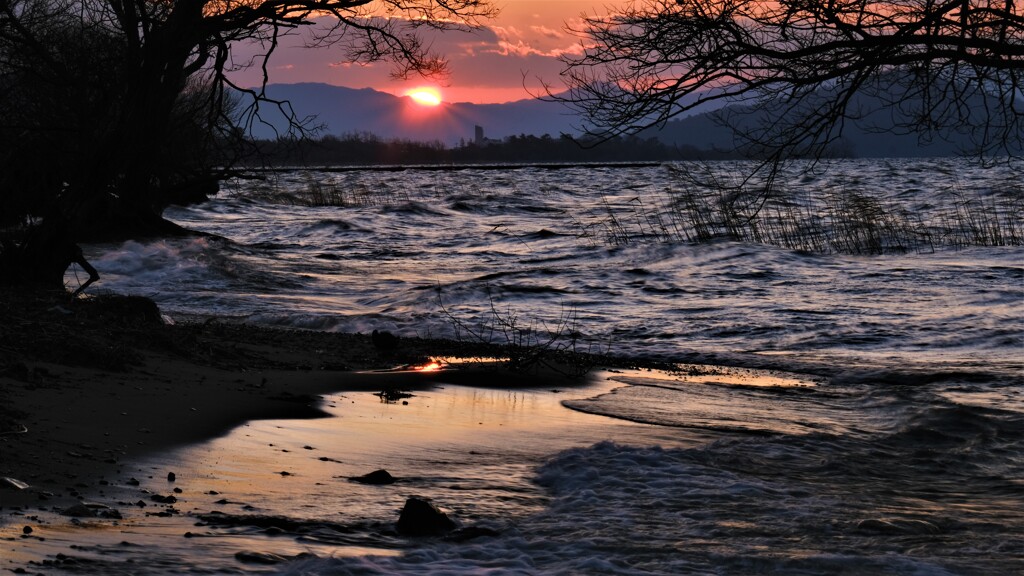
478 135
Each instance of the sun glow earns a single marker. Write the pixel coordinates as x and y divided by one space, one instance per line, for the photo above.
434 366
425 96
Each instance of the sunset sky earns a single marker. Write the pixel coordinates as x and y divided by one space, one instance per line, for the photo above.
489 65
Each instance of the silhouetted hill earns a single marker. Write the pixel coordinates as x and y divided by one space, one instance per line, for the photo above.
347 110
705 132
871 135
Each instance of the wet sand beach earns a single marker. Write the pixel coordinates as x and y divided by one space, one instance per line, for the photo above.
120 429
85 386
135 446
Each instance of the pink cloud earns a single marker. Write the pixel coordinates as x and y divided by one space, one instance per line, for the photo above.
547 32
490 64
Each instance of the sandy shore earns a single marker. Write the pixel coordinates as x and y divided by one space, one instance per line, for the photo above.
87 385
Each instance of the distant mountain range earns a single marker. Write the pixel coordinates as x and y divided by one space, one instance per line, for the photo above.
871 136
347 110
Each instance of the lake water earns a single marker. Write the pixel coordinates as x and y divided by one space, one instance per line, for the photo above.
900 451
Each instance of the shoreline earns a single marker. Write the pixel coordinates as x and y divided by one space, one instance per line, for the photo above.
90 384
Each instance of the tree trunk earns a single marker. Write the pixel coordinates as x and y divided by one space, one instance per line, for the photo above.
118 199
43 255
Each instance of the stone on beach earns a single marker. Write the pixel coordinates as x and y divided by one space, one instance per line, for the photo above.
90 510
376 478
384 341
421 518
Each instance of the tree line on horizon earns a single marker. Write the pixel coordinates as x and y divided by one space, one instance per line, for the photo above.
367 149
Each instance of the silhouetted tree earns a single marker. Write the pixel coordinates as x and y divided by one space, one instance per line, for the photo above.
368 149
138 92
795 71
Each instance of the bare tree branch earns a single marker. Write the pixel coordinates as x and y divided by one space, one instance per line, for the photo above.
796 71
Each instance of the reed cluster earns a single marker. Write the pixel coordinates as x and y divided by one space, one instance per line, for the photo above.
528 344
834 220
315 194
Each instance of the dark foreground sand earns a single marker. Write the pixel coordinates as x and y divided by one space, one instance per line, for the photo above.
89 384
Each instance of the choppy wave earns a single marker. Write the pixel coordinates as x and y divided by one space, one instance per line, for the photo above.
905 457
411 265
793 505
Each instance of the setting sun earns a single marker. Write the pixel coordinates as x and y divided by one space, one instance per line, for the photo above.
425 96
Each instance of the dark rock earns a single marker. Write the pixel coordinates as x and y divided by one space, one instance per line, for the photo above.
171 477
26 530
86 510
163 499
390 395
132 482
421 518
384 341
376 478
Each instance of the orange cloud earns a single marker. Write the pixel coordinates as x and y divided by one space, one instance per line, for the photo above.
547 32
497 63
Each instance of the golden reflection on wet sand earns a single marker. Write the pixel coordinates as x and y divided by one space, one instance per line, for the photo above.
471 449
